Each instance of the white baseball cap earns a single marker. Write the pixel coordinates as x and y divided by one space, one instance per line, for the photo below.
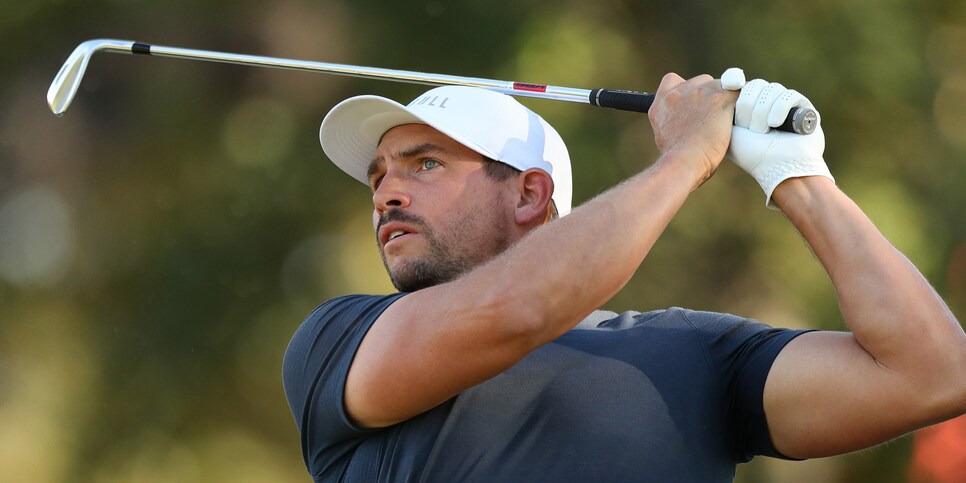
490 123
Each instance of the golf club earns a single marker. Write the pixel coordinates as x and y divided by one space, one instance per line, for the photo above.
64 87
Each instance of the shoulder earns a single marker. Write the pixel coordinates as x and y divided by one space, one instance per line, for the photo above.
348 313
330 335
735 338
723 328
348 308
720 336
672 318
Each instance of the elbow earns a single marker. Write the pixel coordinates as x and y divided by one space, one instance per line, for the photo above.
949 388
959 380
958 371
936 403
955 404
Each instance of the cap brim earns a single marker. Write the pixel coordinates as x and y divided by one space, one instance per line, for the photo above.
351 131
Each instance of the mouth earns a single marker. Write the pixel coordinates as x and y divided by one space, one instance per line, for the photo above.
395 235
393 231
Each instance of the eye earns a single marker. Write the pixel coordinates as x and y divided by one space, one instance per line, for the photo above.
374 182
429 163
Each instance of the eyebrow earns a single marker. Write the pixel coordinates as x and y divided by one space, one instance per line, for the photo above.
412 152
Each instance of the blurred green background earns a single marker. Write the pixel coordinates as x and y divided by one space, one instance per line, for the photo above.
161 242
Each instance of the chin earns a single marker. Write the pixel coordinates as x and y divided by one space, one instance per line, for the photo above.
410 278
411 285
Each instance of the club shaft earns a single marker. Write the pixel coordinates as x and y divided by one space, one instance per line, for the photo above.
67 80
507 87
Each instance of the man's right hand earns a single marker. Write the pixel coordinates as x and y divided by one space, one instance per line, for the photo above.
692 121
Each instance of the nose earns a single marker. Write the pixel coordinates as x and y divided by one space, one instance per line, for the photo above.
391 193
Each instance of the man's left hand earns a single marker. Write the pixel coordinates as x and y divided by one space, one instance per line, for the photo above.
768 155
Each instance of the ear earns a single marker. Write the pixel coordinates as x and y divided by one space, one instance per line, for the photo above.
535 189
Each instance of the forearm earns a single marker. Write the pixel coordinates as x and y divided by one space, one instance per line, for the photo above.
892 311
574 265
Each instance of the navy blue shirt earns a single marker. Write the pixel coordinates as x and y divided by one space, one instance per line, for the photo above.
671 395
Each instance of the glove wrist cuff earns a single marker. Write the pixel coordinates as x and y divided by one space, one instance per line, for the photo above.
769 177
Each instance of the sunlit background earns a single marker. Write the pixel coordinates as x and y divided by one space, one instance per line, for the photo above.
161 242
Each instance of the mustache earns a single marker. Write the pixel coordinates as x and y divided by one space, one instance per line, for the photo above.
399 215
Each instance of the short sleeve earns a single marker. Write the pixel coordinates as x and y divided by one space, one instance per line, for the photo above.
314 372
741 351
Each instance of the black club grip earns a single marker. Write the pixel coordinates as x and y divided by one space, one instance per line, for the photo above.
800 120
623 100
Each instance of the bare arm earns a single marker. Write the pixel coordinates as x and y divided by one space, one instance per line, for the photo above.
903 366
436 342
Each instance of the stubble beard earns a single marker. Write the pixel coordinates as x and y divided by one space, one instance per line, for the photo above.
445 259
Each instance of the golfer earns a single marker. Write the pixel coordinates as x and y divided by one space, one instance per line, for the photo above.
493 364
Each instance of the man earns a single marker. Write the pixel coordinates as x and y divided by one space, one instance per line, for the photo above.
491 364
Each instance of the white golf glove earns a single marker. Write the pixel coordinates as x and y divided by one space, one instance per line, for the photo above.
768 155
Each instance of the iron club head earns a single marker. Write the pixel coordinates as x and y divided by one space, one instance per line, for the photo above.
64 87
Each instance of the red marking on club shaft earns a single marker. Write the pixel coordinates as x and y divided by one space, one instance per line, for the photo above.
521 86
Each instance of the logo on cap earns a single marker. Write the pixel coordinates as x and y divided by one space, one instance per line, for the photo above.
432 102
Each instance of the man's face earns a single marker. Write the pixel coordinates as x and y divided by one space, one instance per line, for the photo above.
437 214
